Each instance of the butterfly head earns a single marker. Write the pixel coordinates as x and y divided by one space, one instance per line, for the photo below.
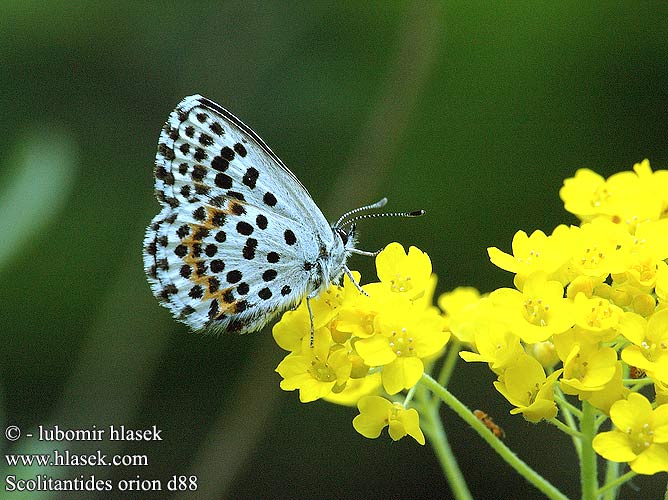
346 236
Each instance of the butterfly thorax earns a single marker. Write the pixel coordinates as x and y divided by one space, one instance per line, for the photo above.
328 266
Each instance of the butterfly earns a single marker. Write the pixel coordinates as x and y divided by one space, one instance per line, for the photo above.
238 238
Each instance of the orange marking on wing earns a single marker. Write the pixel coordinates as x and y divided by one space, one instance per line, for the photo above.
214 221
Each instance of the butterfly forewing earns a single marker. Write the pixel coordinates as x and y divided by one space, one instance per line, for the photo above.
232 244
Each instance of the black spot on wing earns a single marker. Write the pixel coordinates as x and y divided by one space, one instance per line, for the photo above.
217 266
240 149
250 177
269 199
249 249
244 228
261 221
290 237
234 276
227 153
223 181
269 275
273 257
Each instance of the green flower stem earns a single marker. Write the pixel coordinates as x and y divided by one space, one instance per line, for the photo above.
439 441
565 428
506 453
409 396
451 359
614 481
600 420
588 456
568 410
572 409
639 384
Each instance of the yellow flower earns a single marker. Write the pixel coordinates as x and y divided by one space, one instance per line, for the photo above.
537 252
628 295
655 183
376 413
358 312
640 436
355 389
403 338
650 246
496 344
649 351
588 369
611 392
458 300
625 198
404 273
536 313
464 309
290 331
544 352
585 195
598 316
588 286
599 248
638 193
526 387
316 371
394 327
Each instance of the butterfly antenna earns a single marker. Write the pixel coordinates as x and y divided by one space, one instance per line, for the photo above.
414 213
379 204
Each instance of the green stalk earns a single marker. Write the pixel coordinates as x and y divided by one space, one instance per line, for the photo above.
566 429
611 487
450 362
569 412
506 453
588 479
439 441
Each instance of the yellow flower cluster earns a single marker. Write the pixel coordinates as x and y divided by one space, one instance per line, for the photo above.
588 308
363 343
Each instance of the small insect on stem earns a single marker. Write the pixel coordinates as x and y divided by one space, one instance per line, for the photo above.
489 423
635 372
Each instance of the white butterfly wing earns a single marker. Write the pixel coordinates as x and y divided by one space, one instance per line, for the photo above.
238 233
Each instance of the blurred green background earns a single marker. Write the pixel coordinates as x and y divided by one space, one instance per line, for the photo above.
474 111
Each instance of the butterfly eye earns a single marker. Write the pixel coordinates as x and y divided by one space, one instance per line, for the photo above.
342 234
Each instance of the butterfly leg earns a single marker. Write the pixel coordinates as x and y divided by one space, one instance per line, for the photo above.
364 252
310 316
313 295
352 278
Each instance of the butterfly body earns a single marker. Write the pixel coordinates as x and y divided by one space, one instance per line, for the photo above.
238 239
